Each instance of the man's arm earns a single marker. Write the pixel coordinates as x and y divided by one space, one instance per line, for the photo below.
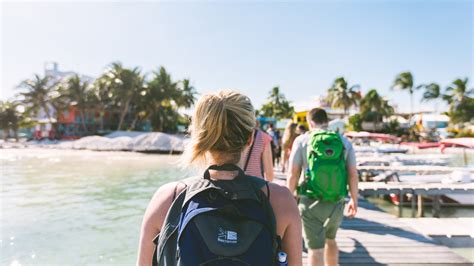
295 164
293 177
268 163
353 180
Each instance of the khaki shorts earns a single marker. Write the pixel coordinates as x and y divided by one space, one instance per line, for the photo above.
314 214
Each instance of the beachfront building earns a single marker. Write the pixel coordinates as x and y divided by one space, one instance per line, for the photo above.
58 125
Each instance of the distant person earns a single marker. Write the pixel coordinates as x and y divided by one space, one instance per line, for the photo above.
329 164
278 149
289 137
258 158
222 217
275 141
301 130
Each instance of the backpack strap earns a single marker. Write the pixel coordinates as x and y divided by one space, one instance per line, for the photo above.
249 154
163 251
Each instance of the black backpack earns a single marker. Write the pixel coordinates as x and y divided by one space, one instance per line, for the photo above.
219 222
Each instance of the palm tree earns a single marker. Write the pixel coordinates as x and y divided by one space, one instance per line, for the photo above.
277 106
432 91
457 92
125 85
101 98
372 105
10 118
38 94
460 100
186 94
77 92
404 81
342 96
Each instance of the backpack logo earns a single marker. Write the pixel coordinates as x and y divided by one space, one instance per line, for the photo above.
227 237
329 152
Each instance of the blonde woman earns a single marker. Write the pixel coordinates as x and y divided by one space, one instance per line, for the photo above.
206 219
289 137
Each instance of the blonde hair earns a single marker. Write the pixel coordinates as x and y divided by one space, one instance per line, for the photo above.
289 135
222 124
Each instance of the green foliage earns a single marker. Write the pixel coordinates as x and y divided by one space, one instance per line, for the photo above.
393 127
355 122
342 96
432 91
404 81
11 118
374 108
277 106
457 95
38 94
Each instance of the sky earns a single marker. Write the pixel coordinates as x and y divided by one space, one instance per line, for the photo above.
248 46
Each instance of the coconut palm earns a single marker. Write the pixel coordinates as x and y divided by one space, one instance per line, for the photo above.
404 81
100 98
277 106
125 84
77 93
185 94
373 107
12 117
460 100
458 92
432 91
38 94
342 96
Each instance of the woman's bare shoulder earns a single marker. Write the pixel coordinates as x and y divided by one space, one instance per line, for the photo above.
280 194
165 194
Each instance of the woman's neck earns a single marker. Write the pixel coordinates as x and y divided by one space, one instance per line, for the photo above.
222 175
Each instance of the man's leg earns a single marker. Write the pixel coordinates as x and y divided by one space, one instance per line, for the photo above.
331 251
313 231
331 254
316 257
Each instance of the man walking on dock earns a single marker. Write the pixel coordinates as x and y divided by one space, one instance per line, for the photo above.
328 162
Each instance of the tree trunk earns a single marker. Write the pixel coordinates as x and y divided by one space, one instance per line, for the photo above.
122 115
132 126
411 104
102 120
15 132
6 132
83 121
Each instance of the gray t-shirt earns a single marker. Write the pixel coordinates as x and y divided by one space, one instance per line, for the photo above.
299 156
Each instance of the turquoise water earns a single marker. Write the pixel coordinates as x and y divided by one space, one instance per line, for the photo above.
76 207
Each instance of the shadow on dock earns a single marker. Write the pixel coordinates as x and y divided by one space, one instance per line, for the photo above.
359 251
372 227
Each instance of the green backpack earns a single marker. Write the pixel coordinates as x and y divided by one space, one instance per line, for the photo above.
326 176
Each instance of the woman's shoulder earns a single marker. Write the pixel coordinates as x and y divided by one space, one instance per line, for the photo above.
280 197
165 194
279 193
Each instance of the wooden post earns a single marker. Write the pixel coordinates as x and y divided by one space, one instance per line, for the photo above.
464 156
400 203
420 206
436 206
413 205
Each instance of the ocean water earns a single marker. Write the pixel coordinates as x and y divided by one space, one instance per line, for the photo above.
63 207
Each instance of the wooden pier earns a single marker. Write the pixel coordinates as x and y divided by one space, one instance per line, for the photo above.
417 191
374 237
377 238
420 169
